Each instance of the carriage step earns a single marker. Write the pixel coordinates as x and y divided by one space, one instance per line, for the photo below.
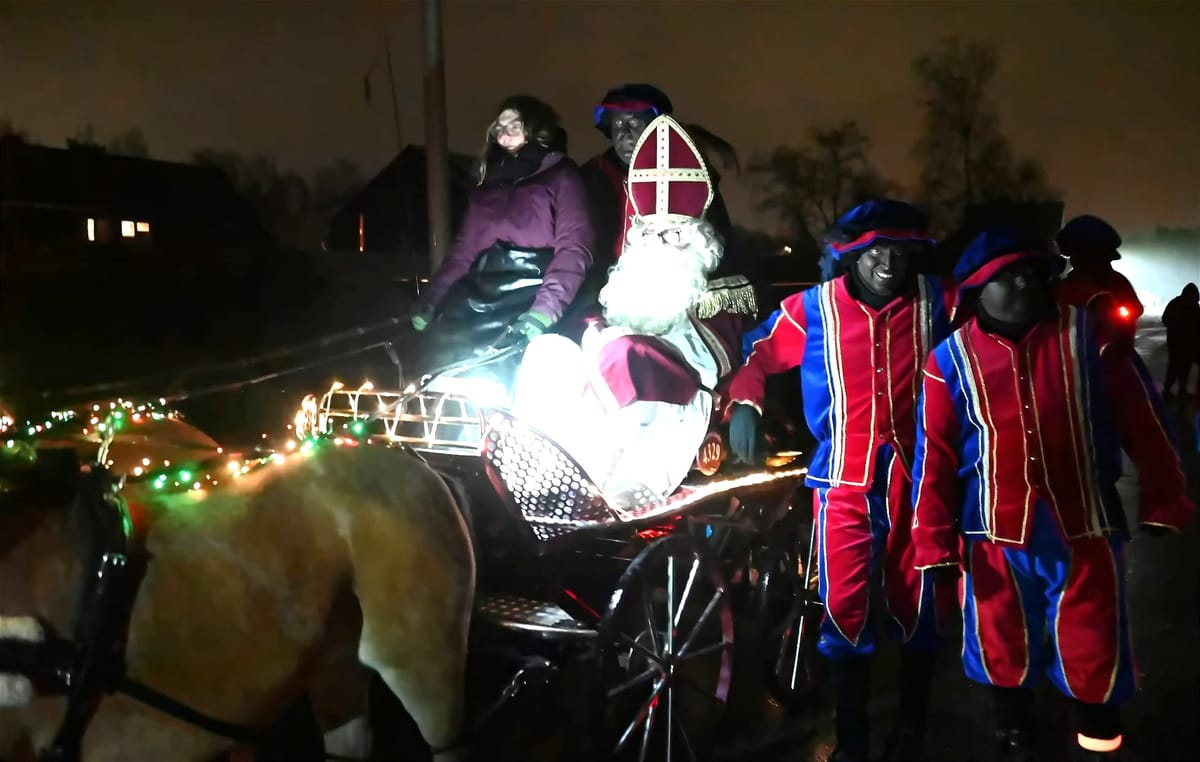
515 613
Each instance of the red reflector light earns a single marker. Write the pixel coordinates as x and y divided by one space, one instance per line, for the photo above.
1124 312
653 533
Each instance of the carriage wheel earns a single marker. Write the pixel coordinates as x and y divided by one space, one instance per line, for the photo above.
664 655
790 614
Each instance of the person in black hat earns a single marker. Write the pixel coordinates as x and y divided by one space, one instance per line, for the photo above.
622 116
1092 246
1018 453
860 340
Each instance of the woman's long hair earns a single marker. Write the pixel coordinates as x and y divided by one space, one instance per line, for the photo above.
542 124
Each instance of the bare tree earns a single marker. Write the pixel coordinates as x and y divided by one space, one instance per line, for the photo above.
294 210
965 157
334 184
8 129
810 186
131 142
279 197
85 138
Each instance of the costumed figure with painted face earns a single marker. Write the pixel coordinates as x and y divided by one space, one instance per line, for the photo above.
1091 244
860 340
1018 456
635 399
622 116
521 253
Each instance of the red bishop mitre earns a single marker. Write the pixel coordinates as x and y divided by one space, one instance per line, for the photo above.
668 183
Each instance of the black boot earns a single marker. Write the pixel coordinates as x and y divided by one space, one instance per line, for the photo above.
851 678
1098 722
1014 741
907 740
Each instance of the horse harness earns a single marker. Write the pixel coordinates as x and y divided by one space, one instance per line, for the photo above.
91 663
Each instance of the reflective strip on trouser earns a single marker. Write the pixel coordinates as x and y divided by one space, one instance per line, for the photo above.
1071 595
858 534
1101 745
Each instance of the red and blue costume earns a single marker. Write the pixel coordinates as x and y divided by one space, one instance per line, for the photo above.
860 356
1017 459
860 376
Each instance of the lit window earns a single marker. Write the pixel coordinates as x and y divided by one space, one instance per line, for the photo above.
127 229
91 228
143 227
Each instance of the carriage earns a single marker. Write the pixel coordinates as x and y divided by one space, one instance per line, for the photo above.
647 598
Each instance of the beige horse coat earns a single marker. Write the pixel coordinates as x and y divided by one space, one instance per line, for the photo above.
249 599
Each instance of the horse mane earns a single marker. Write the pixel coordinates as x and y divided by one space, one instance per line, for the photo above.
51 471
50 487
33 491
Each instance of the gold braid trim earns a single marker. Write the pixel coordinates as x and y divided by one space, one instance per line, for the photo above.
733 294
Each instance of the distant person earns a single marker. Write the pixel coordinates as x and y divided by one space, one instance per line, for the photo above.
524 245
1091 244
1181 318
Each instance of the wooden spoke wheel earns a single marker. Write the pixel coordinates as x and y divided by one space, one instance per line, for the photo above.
790 612
664 655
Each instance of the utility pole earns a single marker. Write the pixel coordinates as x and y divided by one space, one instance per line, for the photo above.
437 160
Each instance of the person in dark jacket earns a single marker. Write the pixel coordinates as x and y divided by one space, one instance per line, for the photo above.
1092 284
524 245
622 116
1181 318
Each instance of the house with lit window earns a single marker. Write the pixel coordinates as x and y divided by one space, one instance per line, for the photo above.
64 205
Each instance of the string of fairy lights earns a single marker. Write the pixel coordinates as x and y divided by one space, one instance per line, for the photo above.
98 420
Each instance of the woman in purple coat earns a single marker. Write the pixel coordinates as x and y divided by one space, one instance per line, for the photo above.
524 245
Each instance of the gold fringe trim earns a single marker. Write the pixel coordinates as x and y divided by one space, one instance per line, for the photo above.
733 294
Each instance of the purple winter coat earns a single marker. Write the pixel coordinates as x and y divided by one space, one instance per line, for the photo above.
547 209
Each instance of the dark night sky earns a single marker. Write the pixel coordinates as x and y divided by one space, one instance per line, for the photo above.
1107 94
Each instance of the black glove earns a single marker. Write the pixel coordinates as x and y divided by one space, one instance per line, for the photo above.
744 433
944 574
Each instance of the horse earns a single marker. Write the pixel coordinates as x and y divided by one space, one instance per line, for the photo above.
248 601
